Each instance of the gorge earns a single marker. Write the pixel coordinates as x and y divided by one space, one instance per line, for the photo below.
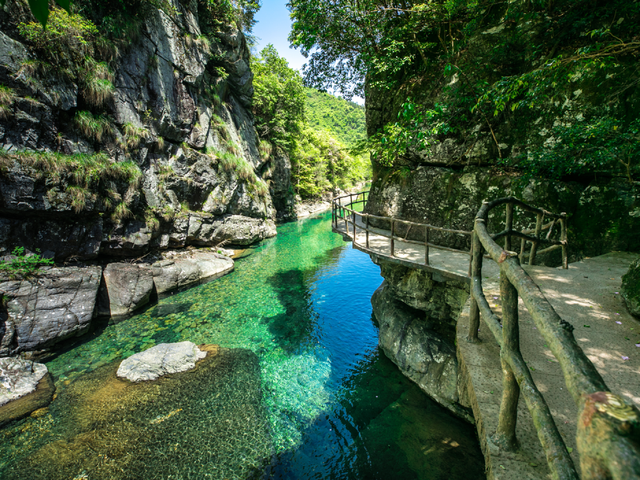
154 171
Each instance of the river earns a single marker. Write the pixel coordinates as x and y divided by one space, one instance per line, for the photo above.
334 406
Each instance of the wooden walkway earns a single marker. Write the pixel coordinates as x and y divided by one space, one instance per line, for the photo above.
450 264
586 294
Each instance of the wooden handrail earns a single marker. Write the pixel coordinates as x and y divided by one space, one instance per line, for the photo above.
604 417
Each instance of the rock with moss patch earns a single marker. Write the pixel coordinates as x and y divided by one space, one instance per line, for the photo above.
631 288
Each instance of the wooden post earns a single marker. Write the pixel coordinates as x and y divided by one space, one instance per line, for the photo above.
393 227
367 229
476 275
563 238
534 245
505 435
508 226
355 231
346 220
426 245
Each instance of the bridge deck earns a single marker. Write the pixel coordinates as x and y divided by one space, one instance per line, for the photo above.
453 265
586 295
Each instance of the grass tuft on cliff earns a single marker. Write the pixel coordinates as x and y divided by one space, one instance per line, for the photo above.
85 177
95 127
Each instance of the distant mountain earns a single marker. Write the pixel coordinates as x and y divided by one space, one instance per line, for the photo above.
342 119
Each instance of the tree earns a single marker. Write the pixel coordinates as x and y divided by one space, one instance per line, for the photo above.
279 98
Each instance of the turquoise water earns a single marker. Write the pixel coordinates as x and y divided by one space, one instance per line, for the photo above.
333 406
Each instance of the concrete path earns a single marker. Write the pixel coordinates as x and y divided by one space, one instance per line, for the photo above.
587 295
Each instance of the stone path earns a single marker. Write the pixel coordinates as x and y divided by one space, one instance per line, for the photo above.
587 296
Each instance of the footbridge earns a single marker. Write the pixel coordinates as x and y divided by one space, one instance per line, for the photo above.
556 338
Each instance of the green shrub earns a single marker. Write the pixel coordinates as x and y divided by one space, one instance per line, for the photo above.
67 39
79 197
98 86
7 96
24 266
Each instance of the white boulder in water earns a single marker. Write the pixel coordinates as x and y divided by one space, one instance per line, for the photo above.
18 378
160 360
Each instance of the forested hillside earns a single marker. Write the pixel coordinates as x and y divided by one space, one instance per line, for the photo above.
342 119
320 161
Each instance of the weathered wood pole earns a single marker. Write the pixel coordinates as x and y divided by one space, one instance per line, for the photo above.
508 227
393 228
426 245
476 275
505 435
534 245
563 238
367 229
355 231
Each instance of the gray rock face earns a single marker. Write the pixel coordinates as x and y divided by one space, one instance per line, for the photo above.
160 360
50 308
188 268
419 352
603 214
186 88
127 287
631 288
18 378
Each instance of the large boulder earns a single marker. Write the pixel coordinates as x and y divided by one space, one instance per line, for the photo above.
631 288
42 311
421 353
181 269
163 359
25 386
126 288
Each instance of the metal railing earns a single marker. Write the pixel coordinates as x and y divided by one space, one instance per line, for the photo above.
608 435
606 424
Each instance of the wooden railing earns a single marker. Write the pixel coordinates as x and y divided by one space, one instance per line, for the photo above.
608 435
606 424
344 211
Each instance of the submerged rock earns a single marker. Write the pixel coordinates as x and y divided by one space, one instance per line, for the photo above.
25 386
109 428
160 360
631 288
43 311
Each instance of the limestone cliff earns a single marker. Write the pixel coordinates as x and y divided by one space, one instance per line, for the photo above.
116 147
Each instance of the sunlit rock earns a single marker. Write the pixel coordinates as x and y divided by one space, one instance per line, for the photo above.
160 360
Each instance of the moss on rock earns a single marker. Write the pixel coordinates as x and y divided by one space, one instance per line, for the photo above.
631 288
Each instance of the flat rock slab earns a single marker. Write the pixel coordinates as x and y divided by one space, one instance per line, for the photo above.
160 360
188 268
25 386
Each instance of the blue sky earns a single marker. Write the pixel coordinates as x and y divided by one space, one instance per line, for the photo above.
273 27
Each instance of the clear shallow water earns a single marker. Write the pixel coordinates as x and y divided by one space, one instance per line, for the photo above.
332 405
